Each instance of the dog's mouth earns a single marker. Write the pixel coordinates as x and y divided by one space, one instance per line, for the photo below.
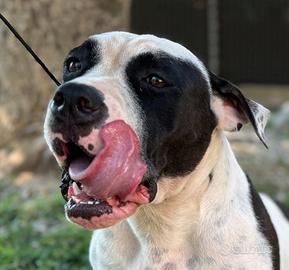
105 188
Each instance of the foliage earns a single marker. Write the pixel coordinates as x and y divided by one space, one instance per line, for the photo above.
35 235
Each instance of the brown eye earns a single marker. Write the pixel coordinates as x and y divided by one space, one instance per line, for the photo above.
156 81
73 65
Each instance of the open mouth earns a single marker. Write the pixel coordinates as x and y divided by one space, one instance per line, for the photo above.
92 212
107 187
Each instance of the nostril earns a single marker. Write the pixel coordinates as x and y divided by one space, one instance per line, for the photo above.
58 99
86 105
57 102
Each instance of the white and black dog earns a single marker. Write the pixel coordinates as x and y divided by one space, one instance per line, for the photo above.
137 127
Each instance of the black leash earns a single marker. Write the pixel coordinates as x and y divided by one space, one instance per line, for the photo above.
29 49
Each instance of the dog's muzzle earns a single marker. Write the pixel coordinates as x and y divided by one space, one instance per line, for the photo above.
103 168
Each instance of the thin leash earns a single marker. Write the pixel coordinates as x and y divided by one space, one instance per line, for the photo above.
29 49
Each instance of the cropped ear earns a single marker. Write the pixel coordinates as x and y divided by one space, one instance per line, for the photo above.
233 110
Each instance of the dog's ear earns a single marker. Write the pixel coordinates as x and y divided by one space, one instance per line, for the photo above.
233 110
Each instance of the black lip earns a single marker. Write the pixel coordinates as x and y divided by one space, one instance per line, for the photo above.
66 181
152 187
87 211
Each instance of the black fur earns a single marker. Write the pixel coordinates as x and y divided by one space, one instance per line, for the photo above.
265 225
177 118
88 56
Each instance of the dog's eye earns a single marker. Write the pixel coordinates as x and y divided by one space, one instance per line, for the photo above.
73 65
156 81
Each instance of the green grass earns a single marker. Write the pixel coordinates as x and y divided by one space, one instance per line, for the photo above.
35 235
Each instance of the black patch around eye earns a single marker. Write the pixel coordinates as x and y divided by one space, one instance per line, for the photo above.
88 56
177 122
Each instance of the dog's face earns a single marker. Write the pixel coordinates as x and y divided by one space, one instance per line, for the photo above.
131 110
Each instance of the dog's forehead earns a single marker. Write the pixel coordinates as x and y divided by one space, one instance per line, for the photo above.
124 46
137 44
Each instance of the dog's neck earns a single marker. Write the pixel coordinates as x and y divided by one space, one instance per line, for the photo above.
197 217
193 201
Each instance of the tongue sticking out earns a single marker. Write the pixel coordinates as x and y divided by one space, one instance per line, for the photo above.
117 170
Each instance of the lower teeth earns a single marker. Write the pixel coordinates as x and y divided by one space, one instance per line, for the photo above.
91 202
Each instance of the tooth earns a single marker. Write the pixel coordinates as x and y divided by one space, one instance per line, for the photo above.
96 202
90 202
76 189
75 199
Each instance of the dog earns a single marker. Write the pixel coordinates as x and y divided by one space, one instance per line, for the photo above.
138 128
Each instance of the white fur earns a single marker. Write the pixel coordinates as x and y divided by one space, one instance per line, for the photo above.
212 226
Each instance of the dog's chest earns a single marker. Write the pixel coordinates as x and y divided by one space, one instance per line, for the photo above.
123 252
128 256
111 250
159 259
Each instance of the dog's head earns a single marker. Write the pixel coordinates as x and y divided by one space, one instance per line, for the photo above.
132 110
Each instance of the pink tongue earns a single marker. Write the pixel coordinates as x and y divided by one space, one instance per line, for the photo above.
117 169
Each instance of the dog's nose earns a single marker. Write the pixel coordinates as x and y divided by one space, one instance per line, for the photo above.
78 102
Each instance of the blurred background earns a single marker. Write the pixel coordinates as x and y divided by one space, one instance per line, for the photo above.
246 42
